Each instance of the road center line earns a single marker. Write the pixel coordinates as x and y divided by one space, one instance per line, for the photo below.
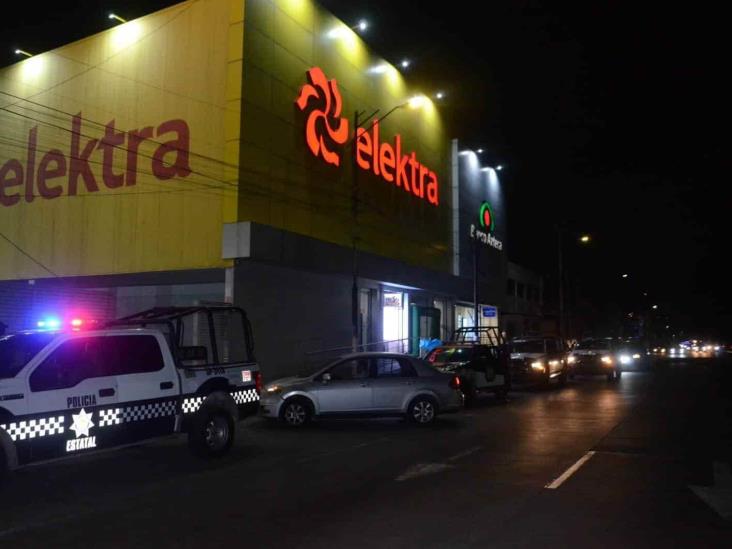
464 454
557 482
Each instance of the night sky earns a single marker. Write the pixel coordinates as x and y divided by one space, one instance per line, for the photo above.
608 115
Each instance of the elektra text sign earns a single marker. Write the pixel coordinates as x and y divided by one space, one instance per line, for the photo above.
487 222
327 135
54 173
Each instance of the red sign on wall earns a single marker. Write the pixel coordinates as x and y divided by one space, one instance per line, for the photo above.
326 133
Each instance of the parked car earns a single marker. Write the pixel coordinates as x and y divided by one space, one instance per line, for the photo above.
68 391
479 357
538 361
364 384
595 357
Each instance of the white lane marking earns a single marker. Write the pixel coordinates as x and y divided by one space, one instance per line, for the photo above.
557 482
422 469
464 454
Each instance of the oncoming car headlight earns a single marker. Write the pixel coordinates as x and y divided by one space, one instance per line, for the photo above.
607 359
625 359
571 359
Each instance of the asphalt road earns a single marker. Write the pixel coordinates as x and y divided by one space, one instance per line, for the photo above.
476 479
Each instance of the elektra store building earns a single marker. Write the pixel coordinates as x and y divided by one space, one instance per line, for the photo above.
225 151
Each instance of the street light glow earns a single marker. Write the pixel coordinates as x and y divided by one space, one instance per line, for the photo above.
499 167
654 307
362 25
625 275
117 17
405 63
417 101
23 52
585 238
479 151
440 95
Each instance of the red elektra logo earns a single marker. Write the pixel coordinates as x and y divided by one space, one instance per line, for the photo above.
325 130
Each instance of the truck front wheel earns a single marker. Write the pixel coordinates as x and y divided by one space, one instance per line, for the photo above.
212 433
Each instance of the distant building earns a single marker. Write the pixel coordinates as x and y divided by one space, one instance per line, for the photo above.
523 306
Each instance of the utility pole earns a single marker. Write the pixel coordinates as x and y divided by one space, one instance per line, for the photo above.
561 283
354 267
476 323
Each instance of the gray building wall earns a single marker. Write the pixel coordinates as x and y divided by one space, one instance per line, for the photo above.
293 313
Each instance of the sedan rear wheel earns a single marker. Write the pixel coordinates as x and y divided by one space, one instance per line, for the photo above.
422 411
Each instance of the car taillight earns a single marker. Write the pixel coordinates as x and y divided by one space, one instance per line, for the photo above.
455 382
258 382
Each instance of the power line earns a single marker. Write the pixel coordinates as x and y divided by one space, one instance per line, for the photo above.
26 254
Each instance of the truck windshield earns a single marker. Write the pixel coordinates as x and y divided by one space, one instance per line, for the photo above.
18 349
533 346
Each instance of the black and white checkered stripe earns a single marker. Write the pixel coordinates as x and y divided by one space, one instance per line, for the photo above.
245 396
140 412
35 428
191 405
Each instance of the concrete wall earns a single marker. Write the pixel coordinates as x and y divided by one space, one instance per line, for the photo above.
293 312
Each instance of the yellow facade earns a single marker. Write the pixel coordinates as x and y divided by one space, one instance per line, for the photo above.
285 186
178 68
129 150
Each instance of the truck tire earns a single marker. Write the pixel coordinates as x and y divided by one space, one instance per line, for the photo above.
4 470
212 432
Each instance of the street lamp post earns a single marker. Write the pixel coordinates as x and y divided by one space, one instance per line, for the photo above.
561 283
357 122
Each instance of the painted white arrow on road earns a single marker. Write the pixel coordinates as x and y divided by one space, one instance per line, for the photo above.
422 469
719 496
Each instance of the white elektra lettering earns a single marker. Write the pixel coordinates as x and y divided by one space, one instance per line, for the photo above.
485 238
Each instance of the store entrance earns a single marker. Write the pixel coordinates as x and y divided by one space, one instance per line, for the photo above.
395 320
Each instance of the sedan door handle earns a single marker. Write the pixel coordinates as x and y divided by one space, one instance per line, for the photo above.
106 392
165 385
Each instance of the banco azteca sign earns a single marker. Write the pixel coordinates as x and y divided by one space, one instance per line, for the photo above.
327 135
487 222
54 173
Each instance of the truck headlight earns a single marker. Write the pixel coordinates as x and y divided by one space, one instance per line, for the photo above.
571 359
537 365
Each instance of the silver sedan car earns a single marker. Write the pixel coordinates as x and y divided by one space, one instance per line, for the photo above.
364 384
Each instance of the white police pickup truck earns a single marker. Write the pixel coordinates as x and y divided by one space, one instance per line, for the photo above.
71 391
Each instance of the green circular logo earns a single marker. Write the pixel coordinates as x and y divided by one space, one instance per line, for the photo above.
486 217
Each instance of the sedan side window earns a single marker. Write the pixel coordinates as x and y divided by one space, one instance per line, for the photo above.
349 370
387 367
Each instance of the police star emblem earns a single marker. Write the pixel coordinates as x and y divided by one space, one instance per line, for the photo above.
82 423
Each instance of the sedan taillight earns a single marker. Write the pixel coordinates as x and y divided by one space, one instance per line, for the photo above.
455 382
